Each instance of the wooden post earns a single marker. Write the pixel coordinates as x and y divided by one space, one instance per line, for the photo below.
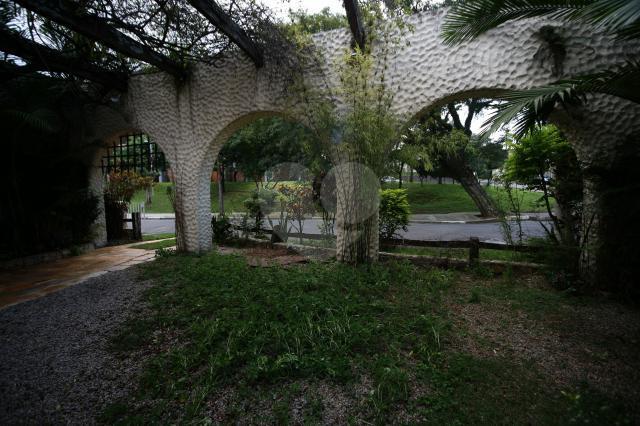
474 251
136 224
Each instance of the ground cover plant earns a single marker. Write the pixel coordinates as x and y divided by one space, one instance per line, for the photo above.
462 253
384 343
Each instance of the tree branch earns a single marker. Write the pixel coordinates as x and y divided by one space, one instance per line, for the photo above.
69 14
354 16
221 20
44 58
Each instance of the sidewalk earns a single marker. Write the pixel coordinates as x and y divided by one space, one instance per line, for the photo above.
463 217
28 283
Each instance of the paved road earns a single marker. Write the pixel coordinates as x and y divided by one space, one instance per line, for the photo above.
417 231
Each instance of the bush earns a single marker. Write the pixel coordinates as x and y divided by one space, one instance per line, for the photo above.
394 212
222 229
255 206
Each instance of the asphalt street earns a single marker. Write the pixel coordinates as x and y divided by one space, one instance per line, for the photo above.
485 231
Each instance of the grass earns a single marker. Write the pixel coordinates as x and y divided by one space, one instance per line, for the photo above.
236 193
461 253
427 198
305 344
153 237
166 243
447 198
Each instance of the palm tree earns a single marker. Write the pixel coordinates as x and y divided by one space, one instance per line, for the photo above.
526 108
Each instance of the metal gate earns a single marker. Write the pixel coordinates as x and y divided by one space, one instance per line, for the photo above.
134 153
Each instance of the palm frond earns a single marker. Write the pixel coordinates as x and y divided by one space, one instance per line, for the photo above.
43 120
467 20
526 108
621 17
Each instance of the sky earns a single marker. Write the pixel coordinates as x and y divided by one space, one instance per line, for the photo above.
281 7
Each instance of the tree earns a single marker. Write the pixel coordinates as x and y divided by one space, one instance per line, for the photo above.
455 158
610 206
489 155
316 22
545 162
357 130
263 144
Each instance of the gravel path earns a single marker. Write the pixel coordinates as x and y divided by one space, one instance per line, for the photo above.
54 363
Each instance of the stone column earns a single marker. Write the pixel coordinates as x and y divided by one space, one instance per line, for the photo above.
193 204
605 132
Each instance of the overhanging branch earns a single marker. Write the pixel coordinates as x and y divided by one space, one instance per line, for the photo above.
214 13
44 58
69 14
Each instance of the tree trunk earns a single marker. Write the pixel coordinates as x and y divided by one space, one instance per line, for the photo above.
400 175
470 183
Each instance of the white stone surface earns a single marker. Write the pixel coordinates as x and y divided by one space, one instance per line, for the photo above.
192 121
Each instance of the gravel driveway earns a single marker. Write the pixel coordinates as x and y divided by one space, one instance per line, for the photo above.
54 363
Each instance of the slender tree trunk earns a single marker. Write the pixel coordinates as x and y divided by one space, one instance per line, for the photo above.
411 176
470 183
400 175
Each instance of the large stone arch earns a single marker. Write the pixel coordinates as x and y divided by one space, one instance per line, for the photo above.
189 119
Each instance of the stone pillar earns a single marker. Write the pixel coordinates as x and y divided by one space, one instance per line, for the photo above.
357 202
193 205
605 132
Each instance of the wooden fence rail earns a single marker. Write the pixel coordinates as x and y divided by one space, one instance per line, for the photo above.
473 244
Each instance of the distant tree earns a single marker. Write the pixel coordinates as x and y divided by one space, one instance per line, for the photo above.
488 156
453 155
313 23
264 144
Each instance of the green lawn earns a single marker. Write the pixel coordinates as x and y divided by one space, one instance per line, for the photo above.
329 343
427 198
236 193
448 198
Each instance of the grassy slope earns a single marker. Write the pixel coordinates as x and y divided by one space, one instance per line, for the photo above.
247 344
446 198
427 198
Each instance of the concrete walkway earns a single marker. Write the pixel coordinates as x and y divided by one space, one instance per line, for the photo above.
20 285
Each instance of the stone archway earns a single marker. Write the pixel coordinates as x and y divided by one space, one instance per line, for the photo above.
184 118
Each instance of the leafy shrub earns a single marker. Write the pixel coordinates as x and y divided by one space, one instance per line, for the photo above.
255 206
222 229
394 212
121 186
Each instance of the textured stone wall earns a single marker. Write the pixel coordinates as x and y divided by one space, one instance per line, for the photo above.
192 121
